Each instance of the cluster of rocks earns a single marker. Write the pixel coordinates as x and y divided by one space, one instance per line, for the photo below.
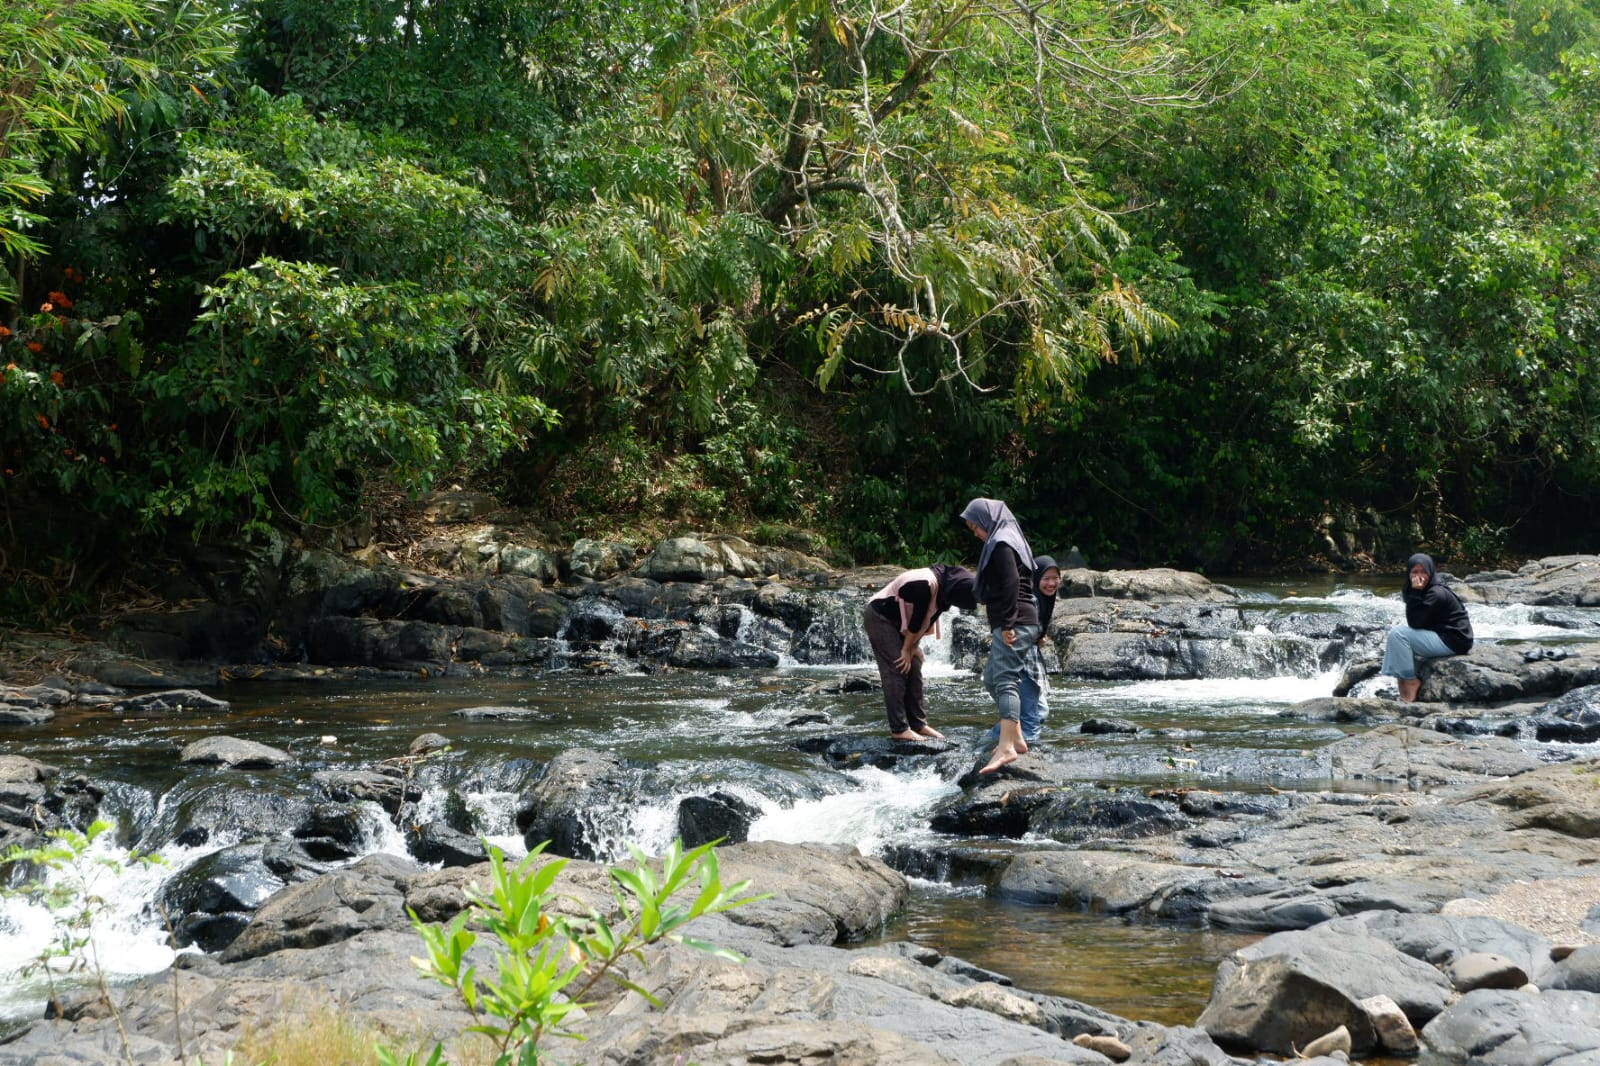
1362 890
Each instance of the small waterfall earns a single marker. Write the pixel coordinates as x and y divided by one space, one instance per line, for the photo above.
121 898
836 635
593 632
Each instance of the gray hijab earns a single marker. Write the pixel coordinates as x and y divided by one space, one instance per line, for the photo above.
1000 525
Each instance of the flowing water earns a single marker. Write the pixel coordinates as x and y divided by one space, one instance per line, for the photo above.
695 733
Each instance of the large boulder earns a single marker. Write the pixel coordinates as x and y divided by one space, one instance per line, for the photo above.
1157 585
1499 673
596 560
684 559
562 802
1289 989
1496 1027
1573 718
1556 581
818 894
368 895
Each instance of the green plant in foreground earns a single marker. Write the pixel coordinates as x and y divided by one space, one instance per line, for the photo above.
75 899
547 963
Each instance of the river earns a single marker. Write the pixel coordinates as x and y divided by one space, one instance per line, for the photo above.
735 732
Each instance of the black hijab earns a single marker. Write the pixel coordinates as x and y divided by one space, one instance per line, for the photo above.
1046 601
957 587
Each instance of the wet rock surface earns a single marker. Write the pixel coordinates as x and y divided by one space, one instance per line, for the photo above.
1402 816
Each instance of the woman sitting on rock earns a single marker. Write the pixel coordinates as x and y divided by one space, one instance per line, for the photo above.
898 616
1436 626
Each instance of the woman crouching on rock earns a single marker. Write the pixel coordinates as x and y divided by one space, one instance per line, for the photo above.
1436 626
898 616
1005 588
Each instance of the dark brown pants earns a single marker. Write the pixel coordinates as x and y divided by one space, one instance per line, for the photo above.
902 693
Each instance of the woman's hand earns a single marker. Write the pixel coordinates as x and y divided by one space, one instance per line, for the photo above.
1009 636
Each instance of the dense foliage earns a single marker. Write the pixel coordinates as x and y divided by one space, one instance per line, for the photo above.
1197 283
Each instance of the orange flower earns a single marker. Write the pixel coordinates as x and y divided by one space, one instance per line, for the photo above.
44 423
61 300
56 377
35 347
67 452
4 333
47 307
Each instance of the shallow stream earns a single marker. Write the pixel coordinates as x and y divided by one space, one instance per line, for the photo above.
700 732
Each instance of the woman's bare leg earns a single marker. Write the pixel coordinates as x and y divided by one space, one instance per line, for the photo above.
1010 747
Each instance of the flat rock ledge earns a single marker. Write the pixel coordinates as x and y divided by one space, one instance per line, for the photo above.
344 938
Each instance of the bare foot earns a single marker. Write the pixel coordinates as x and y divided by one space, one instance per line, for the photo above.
1001 757
1022 747
907 735
929 731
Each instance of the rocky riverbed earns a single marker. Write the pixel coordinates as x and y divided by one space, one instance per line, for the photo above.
1440 897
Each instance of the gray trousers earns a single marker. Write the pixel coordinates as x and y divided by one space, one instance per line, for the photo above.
902 693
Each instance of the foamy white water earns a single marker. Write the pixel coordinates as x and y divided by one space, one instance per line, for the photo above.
127 937
1266 694
886 807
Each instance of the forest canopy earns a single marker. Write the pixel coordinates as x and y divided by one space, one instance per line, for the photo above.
1187 283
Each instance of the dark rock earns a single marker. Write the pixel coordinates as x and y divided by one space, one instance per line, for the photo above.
336 906
331 831
128 673
1089 814
438 842
721 815
561 800
882 752
347 786
210 902
36 798
693 648
1493 673
213 632
375 642
1104 726
12 714
1573 718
